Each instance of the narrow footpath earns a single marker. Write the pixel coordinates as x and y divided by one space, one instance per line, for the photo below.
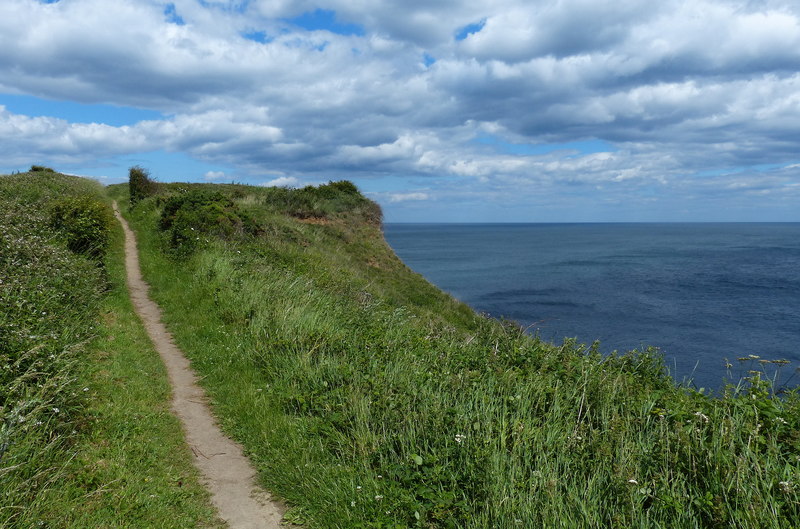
226 472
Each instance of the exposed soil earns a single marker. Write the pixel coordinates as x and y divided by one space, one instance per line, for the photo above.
226 472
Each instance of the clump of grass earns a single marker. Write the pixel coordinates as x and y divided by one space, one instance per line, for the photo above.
370 399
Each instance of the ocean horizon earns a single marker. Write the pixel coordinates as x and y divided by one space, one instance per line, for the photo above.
704 293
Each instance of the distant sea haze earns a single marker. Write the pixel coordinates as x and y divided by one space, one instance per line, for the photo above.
701 293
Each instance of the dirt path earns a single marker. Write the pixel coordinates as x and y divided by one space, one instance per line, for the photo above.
226 472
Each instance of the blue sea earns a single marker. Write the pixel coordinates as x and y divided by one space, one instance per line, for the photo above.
701 293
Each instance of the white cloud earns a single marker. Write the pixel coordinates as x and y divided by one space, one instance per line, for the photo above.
405 197
214 175
678 87
282 181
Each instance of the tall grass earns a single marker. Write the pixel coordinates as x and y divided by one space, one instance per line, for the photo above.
368 398
49 297
86 439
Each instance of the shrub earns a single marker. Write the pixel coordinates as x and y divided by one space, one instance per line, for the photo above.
85 222
188 216
140 184
332 200
41 169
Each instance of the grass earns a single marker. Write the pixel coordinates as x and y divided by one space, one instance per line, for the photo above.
368 398
87 437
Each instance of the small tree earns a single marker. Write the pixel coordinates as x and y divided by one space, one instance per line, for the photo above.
140 184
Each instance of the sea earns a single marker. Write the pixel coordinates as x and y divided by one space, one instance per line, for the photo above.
705 294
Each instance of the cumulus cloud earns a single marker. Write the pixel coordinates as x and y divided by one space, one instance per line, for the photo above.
282 181
405 197
678 88
214 175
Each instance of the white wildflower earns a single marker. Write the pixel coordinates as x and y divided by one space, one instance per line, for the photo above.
460 437
702 416
633 482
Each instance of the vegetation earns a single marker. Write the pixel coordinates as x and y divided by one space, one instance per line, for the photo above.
75 451
140 184
368 398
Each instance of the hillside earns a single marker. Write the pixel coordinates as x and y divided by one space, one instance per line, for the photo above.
86 438
368 398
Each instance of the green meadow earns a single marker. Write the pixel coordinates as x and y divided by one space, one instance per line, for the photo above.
365 397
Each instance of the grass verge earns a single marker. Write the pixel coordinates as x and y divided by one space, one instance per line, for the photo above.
89 440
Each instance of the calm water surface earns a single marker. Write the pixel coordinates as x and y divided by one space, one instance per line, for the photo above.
699 292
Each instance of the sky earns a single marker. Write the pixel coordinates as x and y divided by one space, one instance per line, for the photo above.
440 110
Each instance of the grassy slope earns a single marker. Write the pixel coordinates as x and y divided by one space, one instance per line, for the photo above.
112 456
367 398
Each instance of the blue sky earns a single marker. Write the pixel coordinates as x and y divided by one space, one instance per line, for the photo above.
445 110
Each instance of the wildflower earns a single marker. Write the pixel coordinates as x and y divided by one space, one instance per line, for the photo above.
781 420
460 437
786 486
358 487
85 389
702 416
352 503
633 482
378 497
56 410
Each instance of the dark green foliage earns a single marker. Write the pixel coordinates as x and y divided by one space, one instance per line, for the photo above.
41 169
85 222
140 184
187 218
334 199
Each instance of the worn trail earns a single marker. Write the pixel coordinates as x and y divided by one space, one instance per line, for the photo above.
226 472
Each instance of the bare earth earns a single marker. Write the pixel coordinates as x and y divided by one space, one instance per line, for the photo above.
226 472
